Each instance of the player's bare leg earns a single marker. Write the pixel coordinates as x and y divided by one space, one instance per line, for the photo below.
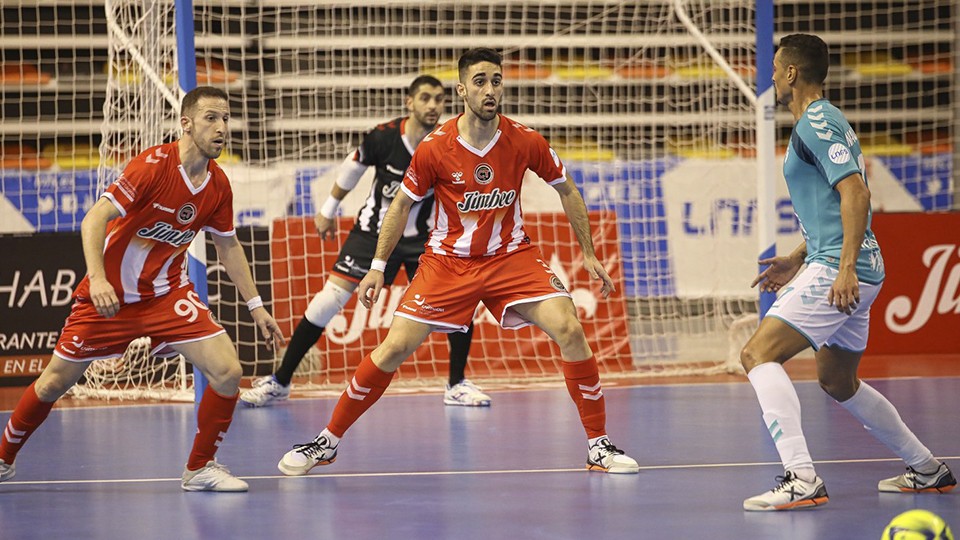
369 381
558 318
837 372
217 359
34 406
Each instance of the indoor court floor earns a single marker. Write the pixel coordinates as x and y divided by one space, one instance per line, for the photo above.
414 469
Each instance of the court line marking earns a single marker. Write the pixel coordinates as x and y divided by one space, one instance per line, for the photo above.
455 473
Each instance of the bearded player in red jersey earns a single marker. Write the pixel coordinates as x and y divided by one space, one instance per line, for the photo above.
135 240
478 252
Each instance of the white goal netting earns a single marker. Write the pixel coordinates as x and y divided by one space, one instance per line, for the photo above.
659 139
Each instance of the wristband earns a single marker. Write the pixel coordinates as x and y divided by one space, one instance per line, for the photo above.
254 303
329 208
379 265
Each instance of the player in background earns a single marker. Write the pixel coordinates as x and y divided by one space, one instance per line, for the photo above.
478 252
827 306
388 148
135 240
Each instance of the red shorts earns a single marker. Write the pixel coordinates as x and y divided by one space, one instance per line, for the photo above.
176 317
446 290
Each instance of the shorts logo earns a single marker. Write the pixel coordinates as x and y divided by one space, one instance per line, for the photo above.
419 305
186 213
839 154
557 284
483 174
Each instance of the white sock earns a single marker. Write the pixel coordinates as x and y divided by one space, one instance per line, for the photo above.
882 420
781 413
334 440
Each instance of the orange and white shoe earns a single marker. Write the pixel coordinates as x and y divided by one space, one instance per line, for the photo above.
605 457
791 494
912 481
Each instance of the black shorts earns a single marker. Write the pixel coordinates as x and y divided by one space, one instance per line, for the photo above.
357 253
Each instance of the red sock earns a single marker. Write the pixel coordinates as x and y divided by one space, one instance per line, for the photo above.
583 383
366 387
26 418
213 419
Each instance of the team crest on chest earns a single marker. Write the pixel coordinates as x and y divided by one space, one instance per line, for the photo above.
186 213
483 174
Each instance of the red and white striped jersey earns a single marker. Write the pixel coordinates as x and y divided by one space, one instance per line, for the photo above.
478 190
160 214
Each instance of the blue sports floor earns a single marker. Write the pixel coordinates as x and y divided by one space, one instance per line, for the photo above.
414 469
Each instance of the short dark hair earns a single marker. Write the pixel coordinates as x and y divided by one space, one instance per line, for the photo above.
475 56
420 81
809 53
189 104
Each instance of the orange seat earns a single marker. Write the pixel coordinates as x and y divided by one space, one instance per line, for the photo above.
16 73
22 156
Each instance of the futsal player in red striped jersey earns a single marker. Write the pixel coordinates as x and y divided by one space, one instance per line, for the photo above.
135 240
477 252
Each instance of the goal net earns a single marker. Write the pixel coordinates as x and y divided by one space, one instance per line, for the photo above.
659 139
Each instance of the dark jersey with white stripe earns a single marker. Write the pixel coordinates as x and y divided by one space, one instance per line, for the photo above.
384 149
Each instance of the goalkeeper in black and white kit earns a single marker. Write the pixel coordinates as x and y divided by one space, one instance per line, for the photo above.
388 147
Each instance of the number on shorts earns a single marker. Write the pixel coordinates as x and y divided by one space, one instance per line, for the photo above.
189 307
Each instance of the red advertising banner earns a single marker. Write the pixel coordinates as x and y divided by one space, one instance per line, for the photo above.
918 310
301 263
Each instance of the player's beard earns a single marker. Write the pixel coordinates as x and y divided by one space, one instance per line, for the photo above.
484 114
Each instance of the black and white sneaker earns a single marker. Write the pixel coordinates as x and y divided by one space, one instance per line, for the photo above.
792 493
304 457
912 481
604 456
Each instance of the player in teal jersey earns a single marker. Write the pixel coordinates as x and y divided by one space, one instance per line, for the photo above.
826 306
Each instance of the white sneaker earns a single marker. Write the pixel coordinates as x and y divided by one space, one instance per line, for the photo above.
212 477
304 457
941 481
465 394
265 391
7 471
604 456
792 493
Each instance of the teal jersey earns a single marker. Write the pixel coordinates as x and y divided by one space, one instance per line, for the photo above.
823 151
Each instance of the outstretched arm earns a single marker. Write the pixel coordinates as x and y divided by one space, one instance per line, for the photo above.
780 270
390 232
234 261
576 211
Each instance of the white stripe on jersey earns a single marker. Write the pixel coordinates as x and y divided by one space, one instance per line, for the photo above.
495 241
134 258
367 211
461 246
161 284
440 232
516 236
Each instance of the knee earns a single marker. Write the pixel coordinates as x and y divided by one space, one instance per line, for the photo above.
839 388
225 374
750 358
391 353
50 388
569 335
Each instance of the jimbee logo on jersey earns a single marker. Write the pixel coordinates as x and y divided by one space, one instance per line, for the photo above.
186 213
839 154
390 191
483 174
